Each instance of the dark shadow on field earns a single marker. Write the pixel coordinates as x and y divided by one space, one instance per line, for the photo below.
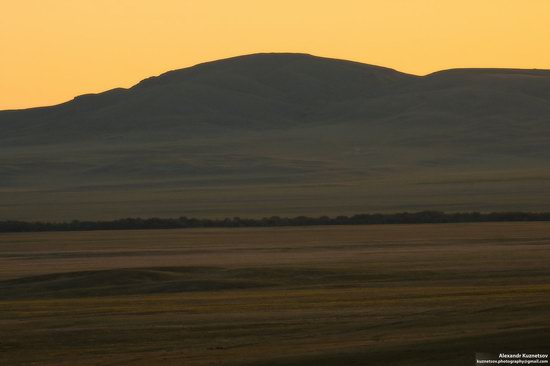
123 282
169 280
158 280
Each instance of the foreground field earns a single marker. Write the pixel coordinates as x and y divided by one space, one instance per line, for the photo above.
371 295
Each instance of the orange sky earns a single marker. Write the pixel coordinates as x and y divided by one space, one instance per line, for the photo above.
52 50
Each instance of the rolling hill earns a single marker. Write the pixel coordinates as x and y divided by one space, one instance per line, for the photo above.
283 134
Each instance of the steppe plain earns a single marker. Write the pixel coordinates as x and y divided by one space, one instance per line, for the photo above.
429 294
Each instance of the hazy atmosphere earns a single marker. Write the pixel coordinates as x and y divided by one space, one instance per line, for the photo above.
53 50
283 134
274 183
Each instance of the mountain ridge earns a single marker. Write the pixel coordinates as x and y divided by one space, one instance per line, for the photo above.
283 134
147 80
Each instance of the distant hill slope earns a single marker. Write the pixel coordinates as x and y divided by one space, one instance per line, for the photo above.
262 91
283 134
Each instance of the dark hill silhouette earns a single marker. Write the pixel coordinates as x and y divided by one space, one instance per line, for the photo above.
256 91
283 134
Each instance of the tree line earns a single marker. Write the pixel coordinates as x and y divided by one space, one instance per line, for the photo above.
424 217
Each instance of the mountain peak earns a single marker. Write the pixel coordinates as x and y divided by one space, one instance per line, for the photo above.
258 65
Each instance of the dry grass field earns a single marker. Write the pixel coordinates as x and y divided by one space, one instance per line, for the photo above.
371 295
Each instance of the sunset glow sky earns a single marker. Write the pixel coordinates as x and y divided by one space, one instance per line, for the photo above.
52 50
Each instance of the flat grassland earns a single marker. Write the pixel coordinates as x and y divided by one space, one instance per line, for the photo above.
363 295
